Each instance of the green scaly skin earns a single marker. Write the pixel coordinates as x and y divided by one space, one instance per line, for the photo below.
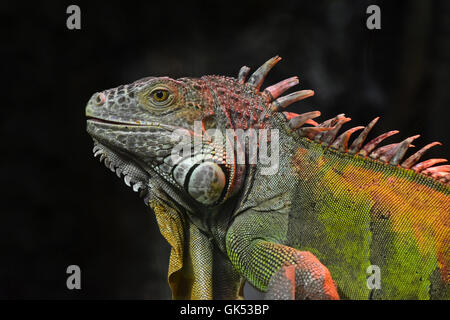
309 231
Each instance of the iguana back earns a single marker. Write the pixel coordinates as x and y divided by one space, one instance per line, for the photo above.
355 213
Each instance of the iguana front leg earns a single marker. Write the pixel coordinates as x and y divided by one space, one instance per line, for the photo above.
255 250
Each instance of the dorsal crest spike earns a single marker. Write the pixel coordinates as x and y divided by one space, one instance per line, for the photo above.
439 169
368 148
426 164
408 163
384 153
300 120
257 78
278 89
341 142
290 115
311 132
444 177
332 122
401 149
285 101
358 142
336 123
243 72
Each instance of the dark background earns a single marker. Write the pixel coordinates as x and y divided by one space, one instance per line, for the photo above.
62 207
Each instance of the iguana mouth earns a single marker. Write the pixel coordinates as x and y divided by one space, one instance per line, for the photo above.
93 119
113 123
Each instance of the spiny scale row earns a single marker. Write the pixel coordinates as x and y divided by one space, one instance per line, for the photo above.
326 132
135 185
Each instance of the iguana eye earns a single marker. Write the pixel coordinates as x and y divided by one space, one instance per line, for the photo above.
159 95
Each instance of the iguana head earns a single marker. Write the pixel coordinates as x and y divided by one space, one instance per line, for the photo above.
140 129
134 126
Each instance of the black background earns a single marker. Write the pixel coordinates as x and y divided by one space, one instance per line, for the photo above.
62 207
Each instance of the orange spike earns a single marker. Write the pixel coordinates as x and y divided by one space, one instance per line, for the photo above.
257 78
408 163
374 142
332 122
440 175
426 164
300 120
278 89
356 145
444 178
341 142
284 101
444 168
401 149
311 132
328 137
384 153
290 115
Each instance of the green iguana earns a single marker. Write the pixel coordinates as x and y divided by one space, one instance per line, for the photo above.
311 219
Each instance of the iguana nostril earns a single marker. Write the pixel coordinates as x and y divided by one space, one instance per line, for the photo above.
99 99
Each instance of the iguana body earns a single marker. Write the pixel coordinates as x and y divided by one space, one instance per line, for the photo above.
312 229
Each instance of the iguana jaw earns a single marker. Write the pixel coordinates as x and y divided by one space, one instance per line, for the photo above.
133 174
129 150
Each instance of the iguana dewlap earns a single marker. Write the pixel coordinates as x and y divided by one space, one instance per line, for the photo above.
245 191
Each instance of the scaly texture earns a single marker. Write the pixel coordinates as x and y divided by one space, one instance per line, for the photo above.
333 207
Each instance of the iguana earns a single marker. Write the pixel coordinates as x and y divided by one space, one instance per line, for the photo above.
330 213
